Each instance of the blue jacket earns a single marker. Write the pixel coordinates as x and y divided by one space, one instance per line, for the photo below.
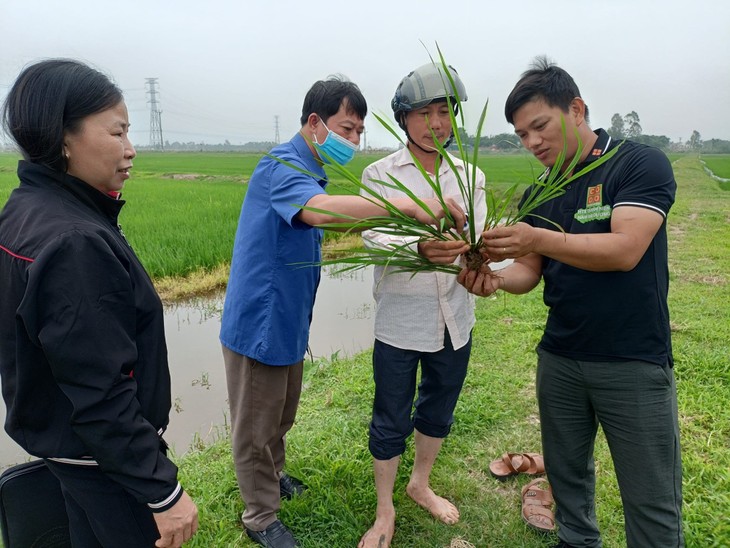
272 284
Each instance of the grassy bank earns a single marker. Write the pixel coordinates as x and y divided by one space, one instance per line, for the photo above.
497 412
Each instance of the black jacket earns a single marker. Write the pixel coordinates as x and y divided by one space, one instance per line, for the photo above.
82 346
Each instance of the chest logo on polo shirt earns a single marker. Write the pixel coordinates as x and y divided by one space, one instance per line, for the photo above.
594 209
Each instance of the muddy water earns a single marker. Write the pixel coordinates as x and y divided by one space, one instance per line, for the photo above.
342 323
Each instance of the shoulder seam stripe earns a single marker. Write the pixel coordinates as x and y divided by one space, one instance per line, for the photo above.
639 204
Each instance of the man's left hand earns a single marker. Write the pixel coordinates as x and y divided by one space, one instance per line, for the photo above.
442 251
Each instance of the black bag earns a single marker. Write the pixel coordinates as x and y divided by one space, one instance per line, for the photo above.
32 508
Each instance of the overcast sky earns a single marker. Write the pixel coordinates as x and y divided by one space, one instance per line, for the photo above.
226 68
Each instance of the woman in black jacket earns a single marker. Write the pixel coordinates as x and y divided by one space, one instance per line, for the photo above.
83 359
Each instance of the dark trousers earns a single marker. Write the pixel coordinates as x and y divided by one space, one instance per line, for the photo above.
263 401
394 417
100 512
635 403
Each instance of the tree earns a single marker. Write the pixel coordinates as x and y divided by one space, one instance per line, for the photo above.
695 141
617 127
465 137
503 141
633 128
658 141
719 146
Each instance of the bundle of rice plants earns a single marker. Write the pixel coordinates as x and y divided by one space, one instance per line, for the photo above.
405 257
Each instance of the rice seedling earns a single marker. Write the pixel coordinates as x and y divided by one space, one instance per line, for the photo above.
405 257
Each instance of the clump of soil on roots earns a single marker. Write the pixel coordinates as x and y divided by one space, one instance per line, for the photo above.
475 259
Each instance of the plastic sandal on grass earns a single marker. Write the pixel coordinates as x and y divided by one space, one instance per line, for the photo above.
536 464
537 503
511 464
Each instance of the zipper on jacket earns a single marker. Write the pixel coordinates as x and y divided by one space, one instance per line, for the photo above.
121 232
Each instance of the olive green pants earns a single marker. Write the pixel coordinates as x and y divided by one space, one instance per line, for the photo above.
635 403
263 400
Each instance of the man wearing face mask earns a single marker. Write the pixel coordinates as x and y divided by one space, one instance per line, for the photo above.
270 297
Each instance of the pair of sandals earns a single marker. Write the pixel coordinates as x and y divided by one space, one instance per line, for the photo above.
537 497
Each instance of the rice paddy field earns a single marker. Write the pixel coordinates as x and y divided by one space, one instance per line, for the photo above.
182 208
719 166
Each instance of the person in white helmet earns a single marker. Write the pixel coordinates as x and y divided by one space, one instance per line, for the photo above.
426 319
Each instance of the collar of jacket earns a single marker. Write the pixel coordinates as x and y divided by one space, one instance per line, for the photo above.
38 175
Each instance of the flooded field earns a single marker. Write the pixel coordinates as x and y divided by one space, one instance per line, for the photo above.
342 322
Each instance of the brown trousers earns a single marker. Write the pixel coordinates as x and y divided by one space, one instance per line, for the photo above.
263 401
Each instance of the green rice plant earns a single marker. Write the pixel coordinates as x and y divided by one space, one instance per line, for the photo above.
719 164
404 257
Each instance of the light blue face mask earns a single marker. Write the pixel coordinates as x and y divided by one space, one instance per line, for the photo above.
335 147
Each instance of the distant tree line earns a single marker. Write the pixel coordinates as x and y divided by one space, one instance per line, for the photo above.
622 127
629 127
500 142
226 146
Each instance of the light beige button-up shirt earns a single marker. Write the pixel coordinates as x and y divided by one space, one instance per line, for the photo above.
412 312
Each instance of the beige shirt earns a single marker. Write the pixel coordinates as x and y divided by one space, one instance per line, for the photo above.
412 312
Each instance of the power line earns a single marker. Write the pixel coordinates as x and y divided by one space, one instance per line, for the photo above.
156 141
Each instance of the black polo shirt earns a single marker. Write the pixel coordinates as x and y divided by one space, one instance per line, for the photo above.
610 316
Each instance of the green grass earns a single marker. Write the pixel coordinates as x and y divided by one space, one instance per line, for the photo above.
497 411
501 170
718 163
191 202
8 178
192 232
233 165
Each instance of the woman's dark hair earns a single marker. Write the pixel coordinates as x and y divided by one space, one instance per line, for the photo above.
325 97
544 80
50 98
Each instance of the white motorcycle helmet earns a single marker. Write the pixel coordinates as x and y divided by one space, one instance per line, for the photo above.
423 86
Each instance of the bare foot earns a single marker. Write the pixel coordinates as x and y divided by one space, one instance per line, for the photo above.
381 533
439 507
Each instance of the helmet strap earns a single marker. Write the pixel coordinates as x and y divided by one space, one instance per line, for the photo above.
448 142
427 151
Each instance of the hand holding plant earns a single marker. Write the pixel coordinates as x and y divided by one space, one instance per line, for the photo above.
482 282
511 241
442 251
436 210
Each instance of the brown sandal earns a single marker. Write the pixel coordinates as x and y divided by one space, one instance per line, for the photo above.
509 464
537 506
536 464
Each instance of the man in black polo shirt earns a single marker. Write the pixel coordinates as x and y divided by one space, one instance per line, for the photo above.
605 356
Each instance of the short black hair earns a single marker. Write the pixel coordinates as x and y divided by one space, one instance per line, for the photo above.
325 97
544 80
50 98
